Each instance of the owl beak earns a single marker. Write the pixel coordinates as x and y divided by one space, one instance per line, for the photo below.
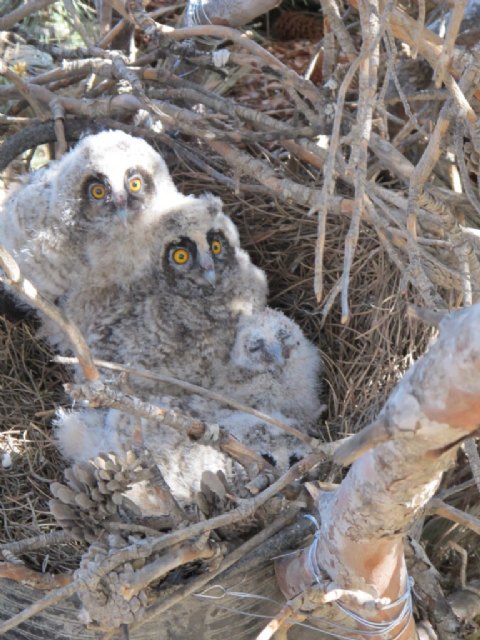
210 276
122 214
120 202
208 268
274 354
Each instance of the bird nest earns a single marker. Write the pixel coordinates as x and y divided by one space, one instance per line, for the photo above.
363 360
347 273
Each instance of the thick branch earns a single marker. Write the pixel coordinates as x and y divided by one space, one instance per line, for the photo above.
433 408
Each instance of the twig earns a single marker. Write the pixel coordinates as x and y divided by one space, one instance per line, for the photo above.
201 581
471 450
213 435
305 87
330 9
323 201
464 561
47 601
462 167
456 15
14 278
24 575
90 394
444 510
285 188
53 538
25 9
188 552
420 27
23 89
372 31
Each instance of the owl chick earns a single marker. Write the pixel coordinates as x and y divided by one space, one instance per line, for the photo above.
275 367
92 208
180 317
272 368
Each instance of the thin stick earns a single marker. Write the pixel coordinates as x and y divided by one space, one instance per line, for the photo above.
439 508
37 542
188 552
457 11
15 279
372 31
24 10
420 27
35 579
470 448
198 583
47 601
193 388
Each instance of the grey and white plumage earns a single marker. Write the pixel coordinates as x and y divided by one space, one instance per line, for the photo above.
180 317
275 369
89 212
85 433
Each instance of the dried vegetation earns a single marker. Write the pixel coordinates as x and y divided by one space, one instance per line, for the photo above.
352 173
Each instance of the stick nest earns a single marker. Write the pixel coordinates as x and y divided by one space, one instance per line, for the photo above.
348 236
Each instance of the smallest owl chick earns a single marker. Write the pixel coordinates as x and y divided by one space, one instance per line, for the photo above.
272 368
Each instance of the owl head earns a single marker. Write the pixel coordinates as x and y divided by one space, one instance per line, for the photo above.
112 178
199 245
265 341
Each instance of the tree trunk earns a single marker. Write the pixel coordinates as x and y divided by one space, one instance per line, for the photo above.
359 546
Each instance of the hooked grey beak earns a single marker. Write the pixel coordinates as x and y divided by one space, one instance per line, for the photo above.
208 268
120 202
274 353
122 214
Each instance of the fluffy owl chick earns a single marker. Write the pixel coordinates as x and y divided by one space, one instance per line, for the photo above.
85 433
272 368
180 317
94 207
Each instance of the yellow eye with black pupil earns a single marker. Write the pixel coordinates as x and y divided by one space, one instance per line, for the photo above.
135 184
216 247
98 191
180 256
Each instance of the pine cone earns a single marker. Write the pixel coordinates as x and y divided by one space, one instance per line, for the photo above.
94 492
293 25
104 606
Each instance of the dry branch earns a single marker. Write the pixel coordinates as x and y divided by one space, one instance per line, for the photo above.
25 288
24 575
25 9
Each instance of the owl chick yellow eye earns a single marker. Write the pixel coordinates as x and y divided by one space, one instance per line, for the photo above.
216 247
180 256
98 191
135 184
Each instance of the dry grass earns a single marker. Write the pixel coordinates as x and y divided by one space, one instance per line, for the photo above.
31 389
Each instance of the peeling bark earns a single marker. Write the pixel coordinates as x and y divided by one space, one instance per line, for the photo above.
360 542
